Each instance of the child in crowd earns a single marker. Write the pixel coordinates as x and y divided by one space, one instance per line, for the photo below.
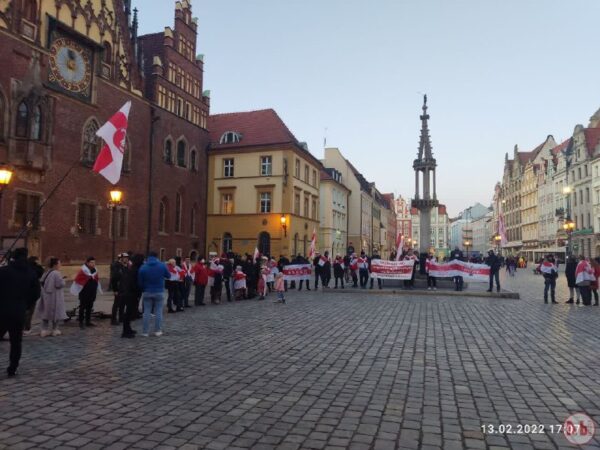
279 288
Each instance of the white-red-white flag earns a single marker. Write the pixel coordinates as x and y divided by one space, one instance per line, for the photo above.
313 245
256 254
399 246
110 159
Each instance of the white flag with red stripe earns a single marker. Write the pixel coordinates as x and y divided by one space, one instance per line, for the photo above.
110 159
313 245
399 246
256 254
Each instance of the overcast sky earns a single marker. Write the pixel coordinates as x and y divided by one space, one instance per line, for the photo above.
497 73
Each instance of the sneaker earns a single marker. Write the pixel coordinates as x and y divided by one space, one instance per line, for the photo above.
570 301
158 334
26 332
145 334
45 333
56 332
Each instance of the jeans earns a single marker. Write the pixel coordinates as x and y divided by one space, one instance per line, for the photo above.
153 301
431 281
199 294
364 277
572 291
549 284
494 274
187 287
118 309
227 283
586 295
458 283
86 304
341 281
378 283
130 303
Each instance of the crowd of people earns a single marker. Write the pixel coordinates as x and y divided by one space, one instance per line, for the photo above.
138 285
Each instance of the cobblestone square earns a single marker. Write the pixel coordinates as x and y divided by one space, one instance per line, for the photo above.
323 371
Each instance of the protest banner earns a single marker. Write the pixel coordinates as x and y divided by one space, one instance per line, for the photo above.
297 272
456 268
391 270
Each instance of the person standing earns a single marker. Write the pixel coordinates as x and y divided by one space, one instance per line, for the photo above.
216 269
227 274
493 262
117 270
130 294
188 280
179 284
39 271
584 276
325 264
171 286
375 256
457 254
596 266
363 270
302 260
550 274
200 274
354 270
431 283
283 261
19 288
86 287
410 256
239 284
318 269
151 281
338 271
51 307
279 288
570 268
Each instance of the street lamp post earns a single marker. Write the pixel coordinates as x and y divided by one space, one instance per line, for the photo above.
283 221
116 198
467 245
5 177
497 239
569 226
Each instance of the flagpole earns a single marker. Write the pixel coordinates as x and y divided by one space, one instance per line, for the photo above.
36 214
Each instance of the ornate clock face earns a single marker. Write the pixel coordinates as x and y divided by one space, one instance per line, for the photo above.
70 66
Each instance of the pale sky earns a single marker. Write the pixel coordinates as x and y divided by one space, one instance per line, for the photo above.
497 73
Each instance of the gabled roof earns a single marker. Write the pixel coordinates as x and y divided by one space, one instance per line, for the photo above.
262 127
561 147
524 157
592 138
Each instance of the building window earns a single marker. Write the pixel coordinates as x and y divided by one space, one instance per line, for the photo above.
22 120
264 243
266 166
181 153
30 10
91 143
297 169
296 238
178 213
306 170
579 172
86 218
306 211
227 243
297 204
581 197
314 210
168 151
228 168
25 208
314 178
227 204
587 194
193 160
162 217
265 202
230 137
36 125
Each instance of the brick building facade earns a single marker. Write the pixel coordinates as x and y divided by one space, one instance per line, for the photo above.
69 66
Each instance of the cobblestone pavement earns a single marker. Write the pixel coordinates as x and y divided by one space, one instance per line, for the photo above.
326 371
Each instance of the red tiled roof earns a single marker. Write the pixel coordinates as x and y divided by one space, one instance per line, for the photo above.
525 156
325 175
592 138
561 147
263 127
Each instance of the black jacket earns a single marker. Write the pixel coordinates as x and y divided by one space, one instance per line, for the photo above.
227 269
457 254
19 288
494 262
570 269
128 283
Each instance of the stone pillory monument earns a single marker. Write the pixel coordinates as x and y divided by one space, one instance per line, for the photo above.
424 199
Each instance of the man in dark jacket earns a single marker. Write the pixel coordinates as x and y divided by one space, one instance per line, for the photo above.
302 260
493 261
570 269
458 281
117 271
130 293
315 263
19 288
227 274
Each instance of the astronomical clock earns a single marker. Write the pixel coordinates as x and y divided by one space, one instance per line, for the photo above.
70 66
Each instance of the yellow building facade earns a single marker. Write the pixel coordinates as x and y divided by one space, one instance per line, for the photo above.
263 187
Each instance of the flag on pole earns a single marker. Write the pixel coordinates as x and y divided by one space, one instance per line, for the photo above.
313 245
256 254
502 230
110 159
399 246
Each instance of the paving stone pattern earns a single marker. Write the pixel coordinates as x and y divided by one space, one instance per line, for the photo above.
321 372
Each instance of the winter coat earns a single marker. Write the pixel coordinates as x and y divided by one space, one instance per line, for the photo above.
52 303
494 262
200 274
456 254
19 289
570 268
338 270
152 276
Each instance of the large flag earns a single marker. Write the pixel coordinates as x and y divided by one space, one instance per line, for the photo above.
399 246
502 230
256 254
110 159
313 245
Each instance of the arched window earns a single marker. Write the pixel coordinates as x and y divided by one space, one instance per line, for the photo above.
227 243
264 243
91 143
22 122
36 124
230 137
181 153
162 216
107 53
178 212
193 160
168 151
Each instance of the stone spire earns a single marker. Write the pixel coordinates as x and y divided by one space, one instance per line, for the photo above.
425 153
